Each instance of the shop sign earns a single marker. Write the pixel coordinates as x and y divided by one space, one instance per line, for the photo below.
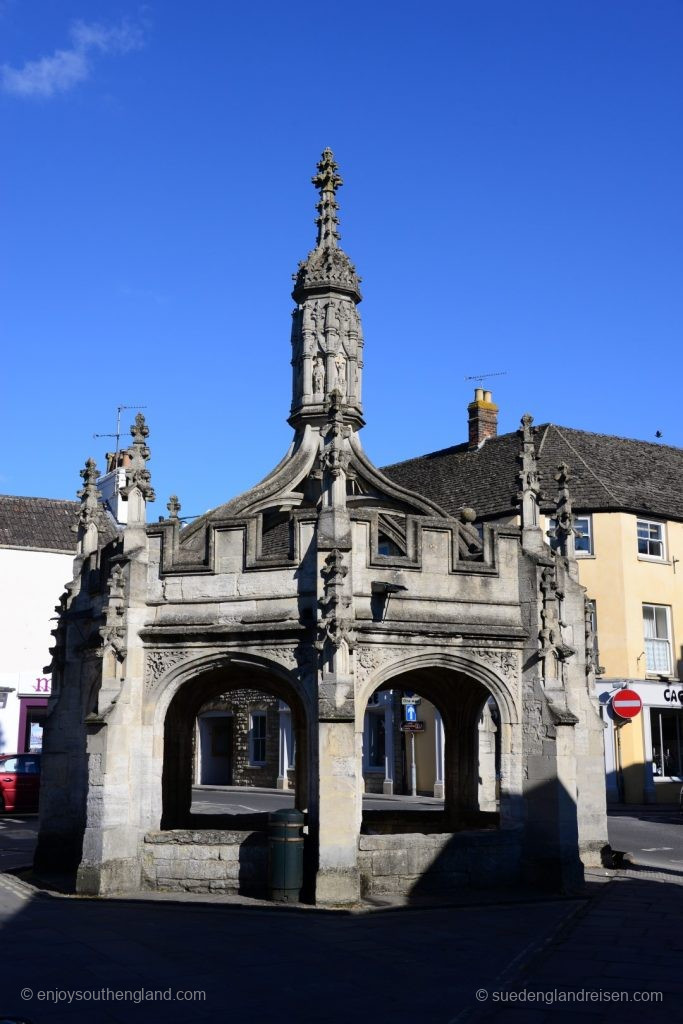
672 696
32 685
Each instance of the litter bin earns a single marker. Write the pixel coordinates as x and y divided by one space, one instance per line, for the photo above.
285 855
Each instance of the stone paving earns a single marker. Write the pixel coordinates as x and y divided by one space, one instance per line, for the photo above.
624 947
257 963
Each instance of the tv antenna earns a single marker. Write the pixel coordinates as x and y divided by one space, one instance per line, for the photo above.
480 377
117 435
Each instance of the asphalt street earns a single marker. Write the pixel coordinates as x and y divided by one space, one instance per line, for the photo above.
241 800
650 838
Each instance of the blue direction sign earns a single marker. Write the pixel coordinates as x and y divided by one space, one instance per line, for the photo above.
411 713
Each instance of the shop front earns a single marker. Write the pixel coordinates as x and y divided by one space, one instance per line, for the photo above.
23 710
643 754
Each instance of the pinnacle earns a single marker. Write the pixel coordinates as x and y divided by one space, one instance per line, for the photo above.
327 179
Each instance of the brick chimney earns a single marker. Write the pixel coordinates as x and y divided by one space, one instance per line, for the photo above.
483 418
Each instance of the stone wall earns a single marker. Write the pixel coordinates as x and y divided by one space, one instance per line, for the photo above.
409 864
416 864
183 860
239 704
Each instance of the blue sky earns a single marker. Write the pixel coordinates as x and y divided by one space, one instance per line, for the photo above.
512 200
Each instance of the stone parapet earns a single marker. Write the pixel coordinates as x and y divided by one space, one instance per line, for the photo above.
185 860
412 864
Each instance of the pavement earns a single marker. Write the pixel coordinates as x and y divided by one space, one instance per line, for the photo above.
610 953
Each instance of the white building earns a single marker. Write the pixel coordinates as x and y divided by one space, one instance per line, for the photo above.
37 548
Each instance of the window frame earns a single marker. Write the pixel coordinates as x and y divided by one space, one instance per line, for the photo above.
668 638
646 556
261 716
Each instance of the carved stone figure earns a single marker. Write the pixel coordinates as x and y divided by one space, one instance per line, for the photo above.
340 365
318 376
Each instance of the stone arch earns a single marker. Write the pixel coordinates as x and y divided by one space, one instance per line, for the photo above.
171 712
460 663
459 686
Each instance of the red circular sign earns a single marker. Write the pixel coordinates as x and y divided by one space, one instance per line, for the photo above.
627 703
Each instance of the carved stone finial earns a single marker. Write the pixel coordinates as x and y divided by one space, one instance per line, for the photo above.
470 546
327 266
137 474
564 524
89 495
528 476
327 181
173 507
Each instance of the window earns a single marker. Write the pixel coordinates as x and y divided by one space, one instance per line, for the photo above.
656 619
386 546
257 738
651 539
583 537
666 742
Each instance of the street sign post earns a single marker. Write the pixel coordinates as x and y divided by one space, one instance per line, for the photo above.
626 704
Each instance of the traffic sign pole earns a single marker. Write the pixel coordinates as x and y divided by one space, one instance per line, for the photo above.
413 766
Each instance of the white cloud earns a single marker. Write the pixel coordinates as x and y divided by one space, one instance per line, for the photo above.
66 68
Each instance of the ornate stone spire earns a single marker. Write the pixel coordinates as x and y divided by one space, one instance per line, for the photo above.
327 266
138 476
529 486
564 523
88 513
327 339
327 181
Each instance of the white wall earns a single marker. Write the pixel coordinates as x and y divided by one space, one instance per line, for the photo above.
31 583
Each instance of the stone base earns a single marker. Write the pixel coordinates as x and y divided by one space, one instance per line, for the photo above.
388 787
595 854
113 876
438 790
337 888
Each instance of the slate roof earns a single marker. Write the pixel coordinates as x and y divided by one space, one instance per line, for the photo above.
608 474
38 523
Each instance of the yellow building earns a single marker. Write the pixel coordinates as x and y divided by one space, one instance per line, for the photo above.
627 497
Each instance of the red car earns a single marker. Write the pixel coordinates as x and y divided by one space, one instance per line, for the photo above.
19 782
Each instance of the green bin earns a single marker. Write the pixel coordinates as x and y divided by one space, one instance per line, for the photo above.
285 855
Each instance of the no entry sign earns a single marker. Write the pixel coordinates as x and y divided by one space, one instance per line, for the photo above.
627 704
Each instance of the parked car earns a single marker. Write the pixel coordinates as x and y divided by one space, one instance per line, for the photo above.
19 782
